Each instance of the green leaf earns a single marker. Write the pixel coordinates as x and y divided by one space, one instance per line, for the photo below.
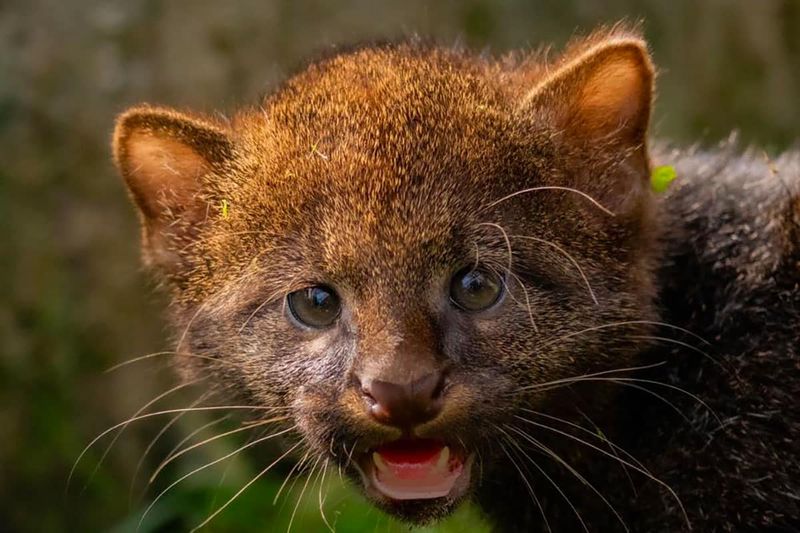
661 178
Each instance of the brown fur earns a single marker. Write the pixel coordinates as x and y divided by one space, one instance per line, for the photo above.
381 172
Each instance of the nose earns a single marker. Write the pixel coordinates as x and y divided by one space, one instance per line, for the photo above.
405 405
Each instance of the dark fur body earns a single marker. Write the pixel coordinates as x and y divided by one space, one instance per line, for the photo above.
731 271
383 171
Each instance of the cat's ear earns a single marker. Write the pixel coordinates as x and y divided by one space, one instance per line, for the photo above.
599 95
165 158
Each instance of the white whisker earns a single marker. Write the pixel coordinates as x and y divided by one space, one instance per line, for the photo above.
528 485
554 188
569 257
570 469
186 450
155 439
626 463
207 465
247 485
302 492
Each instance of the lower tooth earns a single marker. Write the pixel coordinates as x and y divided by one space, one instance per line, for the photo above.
379 464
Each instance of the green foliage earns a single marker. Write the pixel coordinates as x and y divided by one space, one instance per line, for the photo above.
254 512
662 177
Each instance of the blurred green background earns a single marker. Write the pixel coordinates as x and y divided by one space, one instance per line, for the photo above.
73 298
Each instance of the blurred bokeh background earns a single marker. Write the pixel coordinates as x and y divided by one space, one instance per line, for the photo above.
73 298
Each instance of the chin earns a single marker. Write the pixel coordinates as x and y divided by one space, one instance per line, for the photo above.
419 512
415 480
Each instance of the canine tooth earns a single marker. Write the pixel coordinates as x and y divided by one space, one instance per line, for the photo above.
379 464
444 457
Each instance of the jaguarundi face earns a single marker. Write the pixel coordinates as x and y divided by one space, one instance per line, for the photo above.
405 246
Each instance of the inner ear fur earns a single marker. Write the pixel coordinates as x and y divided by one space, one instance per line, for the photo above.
165 157
599 95
596 100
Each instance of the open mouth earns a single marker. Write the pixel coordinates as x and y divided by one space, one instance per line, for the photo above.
416 469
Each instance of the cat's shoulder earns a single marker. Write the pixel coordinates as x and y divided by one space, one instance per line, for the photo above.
731 274
736 209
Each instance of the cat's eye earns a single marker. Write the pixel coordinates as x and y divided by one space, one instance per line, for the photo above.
475 289
316 307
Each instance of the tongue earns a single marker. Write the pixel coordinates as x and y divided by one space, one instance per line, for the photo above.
415 469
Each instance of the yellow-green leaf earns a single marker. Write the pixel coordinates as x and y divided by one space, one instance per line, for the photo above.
661 177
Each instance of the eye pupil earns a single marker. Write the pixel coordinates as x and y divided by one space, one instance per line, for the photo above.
473 282
320 298
474 289
316 306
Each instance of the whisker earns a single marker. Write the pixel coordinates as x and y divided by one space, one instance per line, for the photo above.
298 475
172 353
185 332
151 415
626 463
509 271
528 485
570 469
477 256
321 500
568 256
288 476
631 382
175 456
613 447
207 465
189 437
677 389
554 188
225 472
138 412
626 323
137 359
123 426
155 439
302 492
350 455
594 435
505 237
527 299
510 293
349 458
269 299
480 464
339 466
630 385
679 343
552 482
567 381
206 302
655 395
231 500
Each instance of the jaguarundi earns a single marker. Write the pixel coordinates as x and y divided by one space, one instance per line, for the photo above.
451 274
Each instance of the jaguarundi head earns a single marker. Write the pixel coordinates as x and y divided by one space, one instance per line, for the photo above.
403 245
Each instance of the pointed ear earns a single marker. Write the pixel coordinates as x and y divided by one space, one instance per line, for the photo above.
599 95
165 158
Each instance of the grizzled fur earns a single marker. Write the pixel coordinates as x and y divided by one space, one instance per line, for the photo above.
382 171
731 272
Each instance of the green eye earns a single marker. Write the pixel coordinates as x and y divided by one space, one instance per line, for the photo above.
475 289
316 307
